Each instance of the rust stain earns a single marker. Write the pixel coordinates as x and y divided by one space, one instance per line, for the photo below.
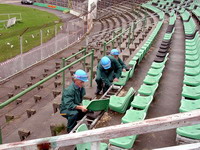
44 146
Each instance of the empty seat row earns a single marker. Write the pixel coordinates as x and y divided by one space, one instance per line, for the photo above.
191 83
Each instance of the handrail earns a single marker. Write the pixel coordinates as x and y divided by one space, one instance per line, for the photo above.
2 105
106 133
119 35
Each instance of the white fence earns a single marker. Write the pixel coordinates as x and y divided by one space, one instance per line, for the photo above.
66 35
97 135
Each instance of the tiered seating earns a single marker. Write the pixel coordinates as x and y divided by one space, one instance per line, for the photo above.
142 101
190 92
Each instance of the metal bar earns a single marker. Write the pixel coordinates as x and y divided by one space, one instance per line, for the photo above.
84 53
74 55
104 49
117 36
2 105
105 133
129 37
63 76
91 68
113 40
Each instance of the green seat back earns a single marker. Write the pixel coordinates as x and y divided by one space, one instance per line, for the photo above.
98 105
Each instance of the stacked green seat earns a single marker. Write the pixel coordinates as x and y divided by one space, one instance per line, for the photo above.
192 80
87 146
123 142
188 105
142 102
191 92
192 132
120 104
133 115
148 89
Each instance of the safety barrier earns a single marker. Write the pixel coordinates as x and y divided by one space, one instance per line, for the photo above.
97 135
14 98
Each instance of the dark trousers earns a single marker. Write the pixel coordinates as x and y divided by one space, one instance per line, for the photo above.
101 85
72 116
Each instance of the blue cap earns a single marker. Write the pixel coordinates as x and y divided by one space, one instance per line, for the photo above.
114 52
81 75
105 62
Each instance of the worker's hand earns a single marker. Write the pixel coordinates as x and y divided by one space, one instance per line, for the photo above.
116 80
83 108
124 70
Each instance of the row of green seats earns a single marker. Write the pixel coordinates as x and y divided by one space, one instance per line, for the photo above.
145 48
141 102
150 83
185 15
191 81
160 13
119 104
191 87
196 12
133 115
128 141
189 27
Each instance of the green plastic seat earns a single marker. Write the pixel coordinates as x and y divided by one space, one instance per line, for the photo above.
152 79
191 92
87 146
192 71
157 65
192 132
133 115
155 72
147 89
123 79
120 104
189 105
141 102
192 64
123 142
192 80
132 63
96 105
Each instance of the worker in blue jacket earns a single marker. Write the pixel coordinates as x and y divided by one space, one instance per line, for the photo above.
115 53
108 70
71 107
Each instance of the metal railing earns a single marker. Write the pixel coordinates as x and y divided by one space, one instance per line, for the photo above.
106 133
64 60
12 99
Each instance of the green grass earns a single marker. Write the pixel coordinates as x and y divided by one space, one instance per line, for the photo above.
32 19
